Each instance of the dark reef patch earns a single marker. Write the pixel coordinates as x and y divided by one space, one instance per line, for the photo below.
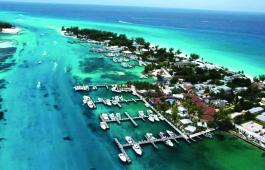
90 65
56 107
67 138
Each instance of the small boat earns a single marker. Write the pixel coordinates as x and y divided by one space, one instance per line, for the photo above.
170 133
150 136
137 149
103 125
129 139
90 104
39 62
118 116
141 113
149 112
95 88
151 118
44 53
169 143
122 157
105 116
112 116
156 118
108 102
38 85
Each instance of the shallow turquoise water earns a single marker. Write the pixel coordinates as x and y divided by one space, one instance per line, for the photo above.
38 119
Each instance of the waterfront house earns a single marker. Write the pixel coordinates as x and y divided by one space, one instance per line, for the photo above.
190 129
185 121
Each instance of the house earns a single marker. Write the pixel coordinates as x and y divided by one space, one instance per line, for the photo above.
255 110
182 112
219 103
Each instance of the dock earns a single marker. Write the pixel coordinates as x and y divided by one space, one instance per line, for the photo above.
128 118
201 133
122 150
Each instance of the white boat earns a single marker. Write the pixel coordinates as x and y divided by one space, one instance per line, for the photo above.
137 149
118 116
141 113
103 125
150 136
156 118
90 104
112 116
39 62
95 88
105 116
129 139
38 85
149 112
122 157
169 143
147 105
170 133
44 53
151 118
108 102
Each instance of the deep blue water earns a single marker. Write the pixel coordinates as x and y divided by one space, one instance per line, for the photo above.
232 22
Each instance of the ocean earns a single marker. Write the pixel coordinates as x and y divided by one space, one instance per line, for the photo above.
41 107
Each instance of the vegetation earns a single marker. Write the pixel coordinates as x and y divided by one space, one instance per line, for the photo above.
5 25
222 120
144 85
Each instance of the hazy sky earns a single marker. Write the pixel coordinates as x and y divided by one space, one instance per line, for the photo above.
232 5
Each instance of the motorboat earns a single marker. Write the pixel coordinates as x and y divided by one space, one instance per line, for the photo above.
122 157
112 116
103 125
149 112
151 118
105 116
150 136
156 118
118 116
170 133
108 102
169 143
137 149
90 104
141 113
129 139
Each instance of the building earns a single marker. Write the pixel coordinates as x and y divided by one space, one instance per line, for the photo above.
252 132
255 110
261 117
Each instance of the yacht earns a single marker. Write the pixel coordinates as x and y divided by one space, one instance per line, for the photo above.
141 113
38 84
103 125
129 139
170 133
122 157
105 116
169 143
151 118
150 136
118 116
156 118
86 99
112 116
149 112
137 149
90 104
108 102
39 62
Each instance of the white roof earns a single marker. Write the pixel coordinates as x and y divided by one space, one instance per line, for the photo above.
169 111
261 117
190 128
255 110
182 114
181 109
127 52
185 121
252 126
178 96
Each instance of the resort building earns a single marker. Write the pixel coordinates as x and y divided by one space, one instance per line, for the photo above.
255 110
261 117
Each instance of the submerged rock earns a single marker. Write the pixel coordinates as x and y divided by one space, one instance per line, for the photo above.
67 138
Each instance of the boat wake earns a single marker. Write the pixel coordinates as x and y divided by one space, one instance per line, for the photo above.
124 22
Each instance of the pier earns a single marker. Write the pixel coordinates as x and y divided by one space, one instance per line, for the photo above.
120 146
128 118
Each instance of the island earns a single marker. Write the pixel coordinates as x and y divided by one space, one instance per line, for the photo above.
7 28
191 93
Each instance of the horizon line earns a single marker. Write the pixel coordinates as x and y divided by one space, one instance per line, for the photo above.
155 7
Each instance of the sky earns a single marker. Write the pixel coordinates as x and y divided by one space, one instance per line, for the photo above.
230 5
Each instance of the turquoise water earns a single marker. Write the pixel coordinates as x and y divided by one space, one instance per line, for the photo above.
37 119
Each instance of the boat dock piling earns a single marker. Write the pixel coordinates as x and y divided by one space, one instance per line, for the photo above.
152 142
